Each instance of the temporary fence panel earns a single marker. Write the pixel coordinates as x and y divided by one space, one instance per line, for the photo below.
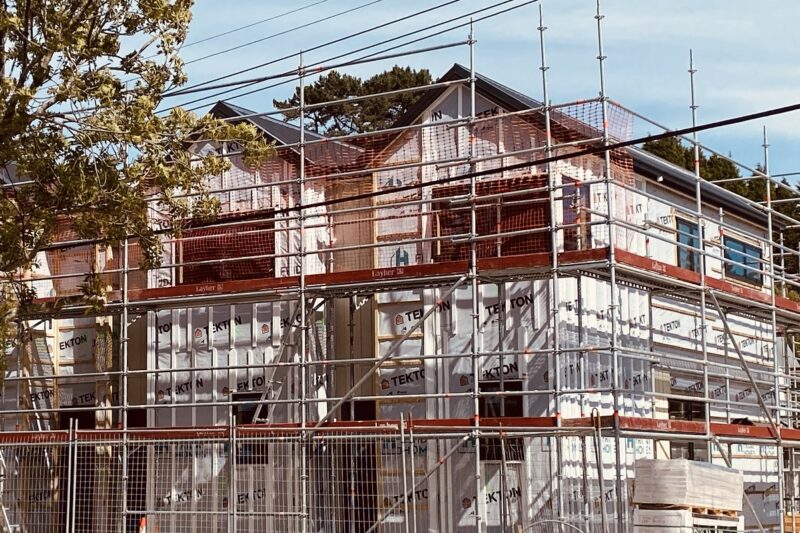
759 464
35 484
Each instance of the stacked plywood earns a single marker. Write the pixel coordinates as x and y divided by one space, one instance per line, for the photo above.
689 484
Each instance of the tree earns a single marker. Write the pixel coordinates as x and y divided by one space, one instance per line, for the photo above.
712 168
81 142
371 114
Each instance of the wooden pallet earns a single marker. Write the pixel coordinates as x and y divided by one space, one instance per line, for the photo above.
705 511
715 512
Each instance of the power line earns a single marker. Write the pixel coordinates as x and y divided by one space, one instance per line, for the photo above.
316 66
252 24
362 60
229 32
284 32
192 88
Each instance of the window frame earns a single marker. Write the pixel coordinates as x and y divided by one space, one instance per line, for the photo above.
750 276
512 406
692 260
575 208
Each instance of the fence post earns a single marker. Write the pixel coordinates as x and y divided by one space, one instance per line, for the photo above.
232 501
405 471
72 469
413 471
68 498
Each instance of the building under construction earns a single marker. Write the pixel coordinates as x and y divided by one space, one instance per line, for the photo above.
476 320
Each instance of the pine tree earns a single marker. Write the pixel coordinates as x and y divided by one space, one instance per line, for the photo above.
372 114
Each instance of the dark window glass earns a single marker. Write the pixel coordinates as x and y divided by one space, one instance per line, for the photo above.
688 236
686 410
575 203
249 450
501 406
694 451
745 261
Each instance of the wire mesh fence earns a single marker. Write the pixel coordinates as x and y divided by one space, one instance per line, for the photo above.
253 478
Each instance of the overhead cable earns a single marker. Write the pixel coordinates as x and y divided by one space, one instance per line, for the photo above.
252 24
190 88
600 148
284 32
318 66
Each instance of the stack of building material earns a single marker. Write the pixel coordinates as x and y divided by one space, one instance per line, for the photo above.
687 484
676 493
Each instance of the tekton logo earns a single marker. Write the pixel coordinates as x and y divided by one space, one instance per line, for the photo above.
399 320
265 329
466 503
385 384
463 381
74 341
198 333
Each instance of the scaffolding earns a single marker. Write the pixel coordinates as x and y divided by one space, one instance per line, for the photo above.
460 323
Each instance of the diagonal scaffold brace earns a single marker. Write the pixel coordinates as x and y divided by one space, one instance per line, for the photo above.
776 433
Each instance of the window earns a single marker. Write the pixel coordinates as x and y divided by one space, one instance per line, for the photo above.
694 451
688 236
501 406
687 410
575 203
745 261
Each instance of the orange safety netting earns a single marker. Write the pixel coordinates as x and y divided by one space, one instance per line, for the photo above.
393 198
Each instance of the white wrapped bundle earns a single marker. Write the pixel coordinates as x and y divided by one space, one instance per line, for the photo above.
651 521
685 483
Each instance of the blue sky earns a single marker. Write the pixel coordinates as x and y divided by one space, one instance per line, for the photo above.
747 55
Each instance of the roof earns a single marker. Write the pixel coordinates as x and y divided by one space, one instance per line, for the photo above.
282 132
331 154
644 162
503 95
685 181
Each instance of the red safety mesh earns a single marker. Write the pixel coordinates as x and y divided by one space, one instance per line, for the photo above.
224 253
383 199
502 212
63 270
